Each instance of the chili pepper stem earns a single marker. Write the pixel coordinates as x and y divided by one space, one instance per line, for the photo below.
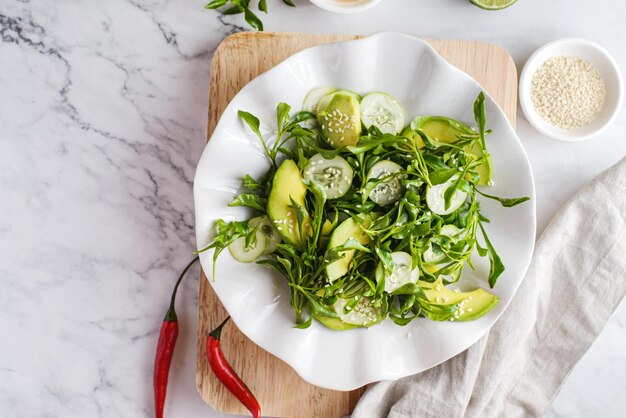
170 315
217 332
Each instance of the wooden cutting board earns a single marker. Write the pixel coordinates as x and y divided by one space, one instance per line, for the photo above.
237 60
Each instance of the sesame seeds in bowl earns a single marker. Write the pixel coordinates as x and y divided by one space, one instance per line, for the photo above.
571 89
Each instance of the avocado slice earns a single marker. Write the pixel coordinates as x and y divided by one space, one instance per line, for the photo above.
414 136
287 185
363 315
339 117
334 323
446 130
346 230
327 226
474 304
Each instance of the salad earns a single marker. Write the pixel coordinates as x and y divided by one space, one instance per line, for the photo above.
367 216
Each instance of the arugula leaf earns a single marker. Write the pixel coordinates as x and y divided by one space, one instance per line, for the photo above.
506 202
450 191
479 115
300 216
442 175
255 126
496 268
336 253
318 208
226 234
282 116
409 289
317 308
251 184
385 258
306 324
250 200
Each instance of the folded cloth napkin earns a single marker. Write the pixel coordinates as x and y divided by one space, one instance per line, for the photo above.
575 281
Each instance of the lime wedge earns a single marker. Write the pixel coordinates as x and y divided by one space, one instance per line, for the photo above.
493 4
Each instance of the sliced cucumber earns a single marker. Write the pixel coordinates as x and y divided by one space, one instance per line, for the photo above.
387 191
431 257
272 237
401 273
451 231
334 176
248 254
364 313
436 201
383 111
313 97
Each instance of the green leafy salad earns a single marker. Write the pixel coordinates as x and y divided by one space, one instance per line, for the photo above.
366 217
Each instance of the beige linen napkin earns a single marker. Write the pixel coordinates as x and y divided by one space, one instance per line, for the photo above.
575 281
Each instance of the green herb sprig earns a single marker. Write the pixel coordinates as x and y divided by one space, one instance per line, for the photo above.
243 6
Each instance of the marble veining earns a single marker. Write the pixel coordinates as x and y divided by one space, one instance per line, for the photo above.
102 120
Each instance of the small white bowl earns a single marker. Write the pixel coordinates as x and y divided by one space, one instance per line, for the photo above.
606 66
345 6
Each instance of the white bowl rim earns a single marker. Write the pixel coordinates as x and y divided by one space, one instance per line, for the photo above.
329 5
524 86
504 303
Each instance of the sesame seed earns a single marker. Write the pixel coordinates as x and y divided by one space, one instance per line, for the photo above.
568 92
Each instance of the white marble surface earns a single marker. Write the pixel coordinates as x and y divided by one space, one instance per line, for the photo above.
102 118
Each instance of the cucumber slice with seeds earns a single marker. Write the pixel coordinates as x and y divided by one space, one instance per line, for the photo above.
313 97
334 175
249 254
272 237
364 313
436 201
383 111
387 191
431 257
452 231
401 273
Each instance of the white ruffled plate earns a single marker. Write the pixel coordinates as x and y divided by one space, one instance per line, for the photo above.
257 298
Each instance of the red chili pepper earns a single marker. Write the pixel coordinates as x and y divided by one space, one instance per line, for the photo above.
165 349
227 375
